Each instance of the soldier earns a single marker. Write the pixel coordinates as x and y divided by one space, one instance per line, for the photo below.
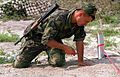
48 37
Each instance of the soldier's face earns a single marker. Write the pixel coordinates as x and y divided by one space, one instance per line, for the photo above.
83 19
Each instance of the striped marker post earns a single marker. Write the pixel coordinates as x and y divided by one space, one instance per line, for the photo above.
100 47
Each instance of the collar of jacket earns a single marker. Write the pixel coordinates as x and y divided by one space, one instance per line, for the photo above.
69 17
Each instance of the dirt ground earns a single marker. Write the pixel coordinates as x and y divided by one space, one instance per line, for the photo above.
97 68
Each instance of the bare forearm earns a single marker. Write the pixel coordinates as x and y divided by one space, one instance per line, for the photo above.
80 51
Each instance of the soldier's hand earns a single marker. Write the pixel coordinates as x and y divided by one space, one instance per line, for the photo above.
68 50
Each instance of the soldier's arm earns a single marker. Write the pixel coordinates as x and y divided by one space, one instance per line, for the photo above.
80 52
79 38
54 44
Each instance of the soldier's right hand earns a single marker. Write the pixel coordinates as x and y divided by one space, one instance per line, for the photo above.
68 50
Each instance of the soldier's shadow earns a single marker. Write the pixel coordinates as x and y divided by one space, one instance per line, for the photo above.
39 65
73 64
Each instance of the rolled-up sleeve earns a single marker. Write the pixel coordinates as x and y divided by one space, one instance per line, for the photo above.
50 32
79 34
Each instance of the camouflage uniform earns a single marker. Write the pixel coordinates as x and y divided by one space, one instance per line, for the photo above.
57 28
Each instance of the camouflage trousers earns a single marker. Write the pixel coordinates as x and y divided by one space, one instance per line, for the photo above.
31 48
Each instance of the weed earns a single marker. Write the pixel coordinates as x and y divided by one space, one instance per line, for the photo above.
112 19
5 57
107 20
111 32
2 56
1 52
7 37
94 23
110 43
2 60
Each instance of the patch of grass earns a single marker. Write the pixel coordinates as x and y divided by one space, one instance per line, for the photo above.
109 43
112 19
2 60
111 32
6 37
5 58
12 17
107 20
94 23
1 52
94 32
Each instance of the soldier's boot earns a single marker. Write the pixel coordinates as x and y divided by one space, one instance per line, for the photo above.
20 63
56 57
29 52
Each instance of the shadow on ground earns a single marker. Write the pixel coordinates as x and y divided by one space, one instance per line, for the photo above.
72 64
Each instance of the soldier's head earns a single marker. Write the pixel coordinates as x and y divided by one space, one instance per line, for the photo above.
84 15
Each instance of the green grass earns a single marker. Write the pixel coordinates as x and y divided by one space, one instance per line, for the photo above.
107 20
109 44
111 32
112 19
94 23
1 52
12 17
94 32
6 37
2 59
5 58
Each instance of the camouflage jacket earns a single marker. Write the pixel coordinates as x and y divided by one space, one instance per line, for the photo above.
60 27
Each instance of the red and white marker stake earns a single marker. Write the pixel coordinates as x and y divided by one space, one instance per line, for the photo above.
100 48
